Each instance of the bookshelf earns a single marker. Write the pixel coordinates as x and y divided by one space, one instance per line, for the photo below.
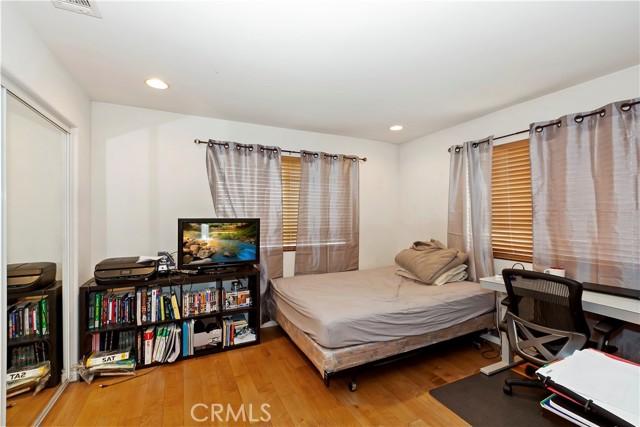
34 329
171 318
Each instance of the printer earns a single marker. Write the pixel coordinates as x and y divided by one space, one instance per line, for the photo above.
30 276
123 270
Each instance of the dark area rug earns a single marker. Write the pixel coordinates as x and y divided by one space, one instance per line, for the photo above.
479 400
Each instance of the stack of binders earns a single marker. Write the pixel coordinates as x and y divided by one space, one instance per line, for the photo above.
593 389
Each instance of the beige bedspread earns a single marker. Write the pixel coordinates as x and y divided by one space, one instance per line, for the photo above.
355 307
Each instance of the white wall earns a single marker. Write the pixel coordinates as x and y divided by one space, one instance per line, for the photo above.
424 171
147 172
29 64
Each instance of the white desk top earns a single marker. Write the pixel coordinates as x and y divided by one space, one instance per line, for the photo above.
623 308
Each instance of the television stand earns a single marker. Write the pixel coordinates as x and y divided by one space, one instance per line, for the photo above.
223 269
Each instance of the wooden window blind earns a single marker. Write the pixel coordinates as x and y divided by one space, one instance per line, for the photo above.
290 196
511 224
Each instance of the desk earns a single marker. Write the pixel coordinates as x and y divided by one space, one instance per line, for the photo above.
626 309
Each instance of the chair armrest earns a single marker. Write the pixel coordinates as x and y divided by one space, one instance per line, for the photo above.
607 325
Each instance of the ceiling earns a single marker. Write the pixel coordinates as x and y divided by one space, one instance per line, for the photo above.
347 67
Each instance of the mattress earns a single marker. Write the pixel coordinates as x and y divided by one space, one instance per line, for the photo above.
375 305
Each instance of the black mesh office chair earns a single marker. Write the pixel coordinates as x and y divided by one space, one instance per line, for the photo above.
545 321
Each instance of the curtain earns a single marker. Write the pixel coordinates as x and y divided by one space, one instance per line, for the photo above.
585 185
469 222
246 182
328 214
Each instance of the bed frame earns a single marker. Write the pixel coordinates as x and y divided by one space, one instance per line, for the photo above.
331 361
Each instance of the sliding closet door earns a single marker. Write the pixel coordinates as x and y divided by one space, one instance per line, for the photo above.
35 231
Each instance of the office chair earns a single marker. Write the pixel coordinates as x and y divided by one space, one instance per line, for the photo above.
545 321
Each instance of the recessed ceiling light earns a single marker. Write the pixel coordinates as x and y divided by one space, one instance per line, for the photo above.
396 127
156 83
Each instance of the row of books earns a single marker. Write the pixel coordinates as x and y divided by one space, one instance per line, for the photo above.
149 305
159 344
111 308
236 330
200 302
113 340
28 355
28 317
154 305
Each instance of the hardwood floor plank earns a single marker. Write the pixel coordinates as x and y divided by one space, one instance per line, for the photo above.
152 413
173 405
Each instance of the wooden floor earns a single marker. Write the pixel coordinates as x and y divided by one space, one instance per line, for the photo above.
274 384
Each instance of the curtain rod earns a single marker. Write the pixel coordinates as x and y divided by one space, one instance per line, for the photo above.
482 141
578 119
211 143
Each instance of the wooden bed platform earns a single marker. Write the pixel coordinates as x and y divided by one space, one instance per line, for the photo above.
330 361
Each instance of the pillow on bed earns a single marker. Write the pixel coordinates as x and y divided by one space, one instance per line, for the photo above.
456 274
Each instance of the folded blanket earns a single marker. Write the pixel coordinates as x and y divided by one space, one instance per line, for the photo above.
429 260
457 274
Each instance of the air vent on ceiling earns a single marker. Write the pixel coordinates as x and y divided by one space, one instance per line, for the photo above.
83 7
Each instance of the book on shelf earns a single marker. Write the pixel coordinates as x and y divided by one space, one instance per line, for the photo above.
148 345
175 310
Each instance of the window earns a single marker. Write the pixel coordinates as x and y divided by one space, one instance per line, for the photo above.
290 195
511 224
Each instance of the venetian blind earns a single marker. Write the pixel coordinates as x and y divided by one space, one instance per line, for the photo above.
511 225
290 196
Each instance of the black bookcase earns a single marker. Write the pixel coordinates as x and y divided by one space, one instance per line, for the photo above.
205 302
47 346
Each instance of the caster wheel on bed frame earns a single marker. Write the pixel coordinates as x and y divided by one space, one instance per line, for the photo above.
352 386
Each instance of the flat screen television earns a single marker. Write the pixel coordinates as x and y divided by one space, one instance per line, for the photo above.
218 243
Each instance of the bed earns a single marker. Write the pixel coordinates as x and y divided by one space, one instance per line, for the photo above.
345 320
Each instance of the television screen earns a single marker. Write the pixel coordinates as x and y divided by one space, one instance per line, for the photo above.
208 243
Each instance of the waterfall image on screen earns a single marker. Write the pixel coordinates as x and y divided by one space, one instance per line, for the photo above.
218 243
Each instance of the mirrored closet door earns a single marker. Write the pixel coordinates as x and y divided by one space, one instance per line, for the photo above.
36 252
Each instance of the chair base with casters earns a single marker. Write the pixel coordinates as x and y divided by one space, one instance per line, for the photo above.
542 345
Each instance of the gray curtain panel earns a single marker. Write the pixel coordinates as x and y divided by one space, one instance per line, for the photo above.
328 236
469 222
584 184
246 182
